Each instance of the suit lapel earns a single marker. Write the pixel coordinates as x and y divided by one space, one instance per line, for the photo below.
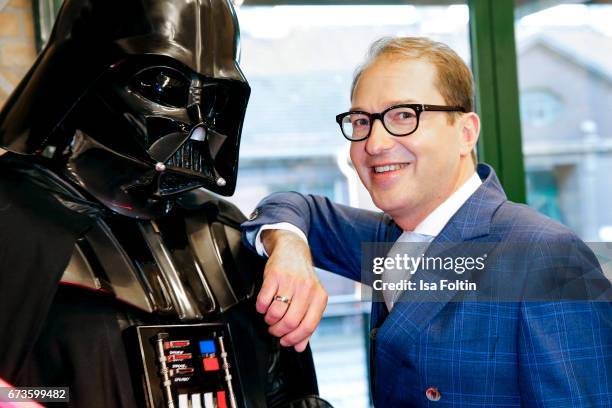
472 221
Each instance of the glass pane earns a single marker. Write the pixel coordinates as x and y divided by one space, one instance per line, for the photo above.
299 61
565 79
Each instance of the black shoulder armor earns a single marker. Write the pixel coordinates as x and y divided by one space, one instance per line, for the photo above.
191 266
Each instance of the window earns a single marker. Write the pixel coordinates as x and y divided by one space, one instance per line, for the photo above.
543 191
540 107
565 77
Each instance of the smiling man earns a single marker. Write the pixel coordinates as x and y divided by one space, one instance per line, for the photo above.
411 174
412 131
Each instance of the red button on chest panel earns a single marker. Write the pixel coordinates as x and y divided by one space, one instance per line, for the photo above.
210 363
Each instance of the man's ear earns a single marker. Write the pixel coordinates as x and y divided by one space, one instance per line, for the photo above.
470 130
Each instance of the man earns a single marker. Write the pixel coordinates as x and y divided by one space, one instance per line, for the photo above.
413 130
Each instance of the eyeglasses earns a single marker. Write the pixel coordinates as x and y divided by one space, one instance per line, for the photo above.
398 120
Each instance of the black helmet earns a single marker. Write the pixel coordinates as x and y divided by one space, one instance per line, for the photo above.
138 100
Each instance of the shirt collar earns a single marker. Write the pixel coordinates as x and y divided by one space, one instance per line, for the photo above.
438 218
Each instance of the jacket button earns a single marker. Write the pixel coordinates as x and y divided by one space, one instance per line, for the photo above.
254 215
433 394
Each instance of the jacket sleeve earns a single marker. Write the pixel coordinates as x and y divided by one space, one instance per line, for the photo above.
565 344
335 232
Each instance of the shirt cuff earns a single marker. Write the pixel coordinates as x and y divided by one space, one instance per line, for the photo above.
259 246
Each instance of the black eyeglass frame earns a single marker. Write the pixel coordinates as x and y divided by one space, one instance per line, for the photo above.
418 108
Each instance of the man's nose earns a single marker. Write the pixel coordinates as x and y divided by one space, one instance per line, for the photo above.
379 139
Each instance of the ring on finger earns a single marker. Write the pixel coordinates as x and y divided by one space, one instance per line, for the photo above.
283 299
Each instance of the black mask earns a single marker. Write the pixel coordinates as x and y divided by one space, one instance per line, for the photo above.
138 101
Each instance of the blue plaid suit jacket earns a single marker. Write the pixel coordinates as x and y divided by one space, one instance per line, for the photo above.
476 354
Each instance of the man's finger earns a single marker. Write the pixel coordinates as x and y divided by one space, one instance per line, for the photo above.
309 322
266 294
294 315
301 346
278 308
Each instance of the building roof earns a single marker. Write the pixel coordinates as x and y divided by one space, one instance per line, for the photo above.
582 45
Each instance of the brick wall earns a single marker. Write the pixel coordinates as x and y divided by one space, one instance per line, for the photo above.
17 43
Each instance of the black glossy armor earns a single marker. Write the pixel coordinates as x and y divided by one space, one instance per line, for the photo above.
133 108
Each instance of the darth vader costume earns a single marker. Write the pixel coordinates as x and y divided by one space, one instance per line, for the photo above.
122 276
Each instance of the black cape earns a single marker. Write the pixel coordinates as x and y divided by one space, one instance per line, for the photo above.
51 336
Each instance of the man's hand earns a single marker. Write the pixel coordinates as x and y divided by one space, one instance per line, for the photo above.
289 272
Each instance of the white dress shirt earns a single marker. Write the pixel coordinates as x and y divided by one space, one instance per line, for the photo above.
438 218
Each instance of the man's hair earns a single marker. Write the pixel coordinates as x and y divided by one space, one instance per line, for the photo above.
453 77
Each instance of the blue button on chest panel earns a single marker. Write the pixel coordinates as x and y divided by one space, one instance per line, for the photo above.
207 347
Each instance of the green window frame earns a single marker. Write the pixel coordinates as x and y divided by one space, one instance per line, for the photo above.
497 95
